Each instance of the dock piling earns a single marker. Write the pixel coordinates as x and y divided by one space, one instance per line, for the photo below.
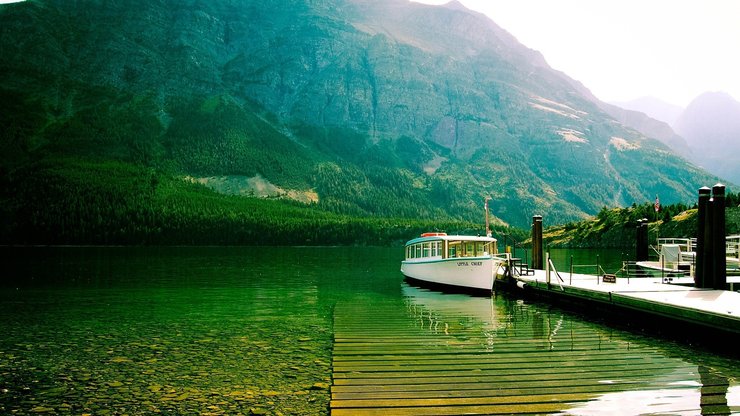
711 262
537 257
719 261
700 272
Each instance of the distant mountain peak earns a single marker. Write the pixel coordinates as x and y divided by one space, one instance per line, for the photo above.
714 99
711 126
455 5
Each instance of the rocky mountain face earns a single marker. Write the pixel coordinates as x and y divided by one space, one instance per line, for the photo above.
371 107
650 127
711 126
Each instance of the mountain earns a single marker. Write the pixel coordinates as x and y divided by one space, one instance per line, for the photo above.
363 108
654 108
652 117
711 126
650 127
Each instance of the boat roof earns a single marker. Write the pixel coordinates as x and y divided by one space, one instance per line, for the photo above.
451 238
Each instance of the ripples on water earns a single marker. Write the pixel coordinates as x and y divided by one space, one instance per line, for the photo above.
226 330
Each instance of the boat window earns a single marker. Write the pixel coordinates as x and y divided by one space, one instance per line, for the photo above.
452 251
469 249
489 248
478 248
418 250
426 249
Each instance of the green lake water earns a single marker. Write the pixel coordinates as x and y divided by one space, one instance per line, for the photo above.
246 330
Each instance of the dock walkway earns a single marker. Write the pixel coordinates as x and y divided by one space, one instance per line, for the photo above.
451 354
715 309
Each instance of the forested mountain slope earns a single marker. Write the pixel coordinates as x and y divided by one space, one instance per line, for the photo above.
363 109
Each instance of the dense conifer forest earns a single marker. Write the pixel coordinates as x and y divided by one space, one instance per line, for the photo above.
76 201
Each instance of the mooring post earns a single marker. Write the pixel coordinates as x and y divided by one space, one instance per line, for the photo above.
719 261
537 242
708 248
700 273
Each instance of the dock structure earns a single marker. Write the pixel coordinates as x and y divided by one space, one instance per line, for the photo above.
717 310
701 301
446 354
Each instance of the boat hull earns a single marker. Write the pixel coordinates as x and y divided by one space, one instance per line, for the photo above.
655 269
467 273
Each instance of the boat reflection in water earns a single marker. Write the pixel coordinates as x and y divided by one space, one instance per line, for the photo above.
494 352
452 313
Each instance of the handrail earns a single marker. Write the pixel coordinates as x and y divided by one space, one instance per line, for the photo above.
552 266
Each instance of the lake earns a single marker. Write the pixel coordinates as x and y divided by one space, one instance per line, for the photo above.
250 330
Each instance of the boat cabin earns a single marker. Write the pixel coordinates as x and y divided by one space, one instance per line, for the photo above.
439 246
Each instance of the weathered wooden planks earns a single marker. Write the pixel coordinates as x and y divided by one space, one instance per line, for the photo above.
394 360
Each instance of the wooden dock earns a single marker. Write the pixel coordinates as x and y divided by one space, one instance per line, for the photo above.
452 354
717 310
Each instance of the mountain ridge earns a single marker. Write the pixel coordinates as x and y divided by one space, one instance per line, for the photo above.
386 108
654 108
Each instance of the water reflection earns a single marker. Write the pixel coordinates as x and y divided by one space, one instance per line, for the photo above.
591 368
182 330
451 312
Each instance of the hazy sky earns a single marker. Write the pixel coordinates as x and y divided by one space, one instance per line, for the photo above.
669 49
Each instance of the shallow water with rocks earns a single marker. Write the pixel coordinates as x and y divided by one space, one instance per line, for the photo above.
194 330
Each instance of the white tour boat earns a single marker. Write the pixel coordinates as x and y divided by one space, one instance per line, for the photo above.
459 261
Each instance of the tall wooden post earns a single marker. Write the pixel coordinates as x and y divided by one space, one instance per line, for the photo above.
537 242
719 261
708 249
488 221
700 267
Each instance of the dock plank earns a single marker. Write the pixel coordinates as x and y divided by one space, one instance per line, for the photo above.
402 368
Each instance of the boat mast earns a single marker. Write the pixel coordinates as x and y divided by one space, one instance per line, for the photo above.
488 227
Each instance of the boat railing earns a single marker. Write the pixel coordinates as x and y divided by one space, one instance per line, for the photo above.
686 244
733 246
515 265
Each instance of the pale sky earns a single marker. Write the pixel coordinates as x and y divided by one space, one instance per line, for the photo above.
621 50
